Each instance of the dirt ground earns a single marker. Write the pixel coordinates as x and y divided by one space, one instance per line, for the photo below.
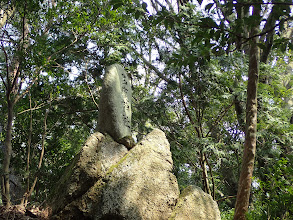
21 213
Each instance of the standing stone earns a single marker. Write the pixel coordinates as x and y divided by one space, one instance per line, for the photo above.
115 104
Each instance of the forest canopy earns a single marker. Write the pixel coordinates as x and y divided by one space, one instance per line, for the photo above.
216 76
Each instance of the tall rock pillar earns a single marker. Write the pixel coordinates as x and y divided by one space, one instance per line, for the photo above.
115 104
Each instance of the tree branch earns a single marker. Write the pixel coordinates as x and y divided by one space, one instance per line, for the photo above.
65 47
158 72
90 91
7 84
28 194
27 89
219 118
186 109
32 109
262 3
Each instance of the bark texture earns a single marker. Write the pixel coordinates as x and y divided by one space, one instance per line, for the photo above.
244 185
7 155
13 87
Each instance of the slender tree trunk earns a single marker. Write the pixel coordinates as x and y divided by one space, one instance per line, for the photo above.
202 156
30 191
7 154
13 88
205 179
244 185
29 142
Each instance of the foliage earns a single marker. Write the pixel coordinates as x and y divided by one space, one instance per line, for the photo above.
191 45
273 197
189 76
68 44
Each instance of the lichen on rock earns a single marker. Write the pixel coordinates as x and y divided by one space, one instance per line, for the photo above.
194 203
121 184
96 156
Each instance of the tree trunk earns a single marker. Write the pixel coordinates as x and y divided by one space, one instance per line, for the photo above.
244 185
13 88
30 191
7 155
205 178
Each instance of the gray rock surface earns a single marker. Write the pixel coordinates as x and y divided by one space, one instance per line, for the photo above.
194 203
115 103
17 188
96 156
106 181
142 186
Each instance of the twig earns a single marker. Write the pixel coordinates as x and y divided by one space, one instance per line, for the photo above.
224 198
160 74
7 86
90 91
65 47
32 109
28 194
219 118
19 96
186 109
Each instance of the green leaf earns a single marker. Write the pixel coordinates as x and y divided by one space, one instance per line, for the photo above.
158 20
209 22
144 6
199 1
118 5
137 14
130 10
166 23
114 2
209 6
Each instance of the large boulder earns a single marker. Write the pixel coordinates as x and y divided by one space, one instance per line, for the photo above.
194 203
97 155
138 186
142 186
106 181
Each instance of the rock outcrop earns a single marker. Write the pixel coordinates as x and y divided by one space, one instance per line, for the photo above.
194 203
106 181
115 104
97 155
